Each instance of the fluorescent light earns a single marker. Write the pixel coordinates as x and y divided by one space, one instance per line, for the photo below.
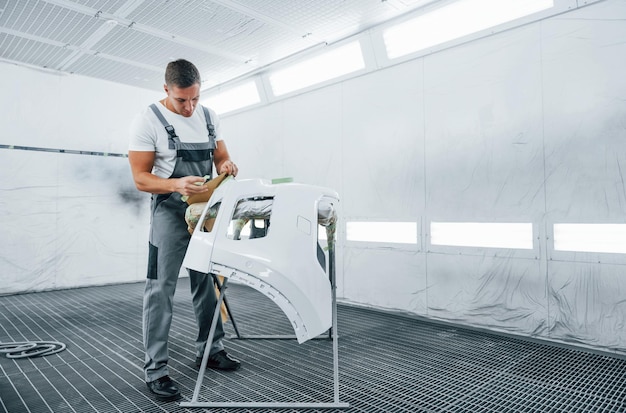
392 232
234 98
456 20
609 238
330 65
482 234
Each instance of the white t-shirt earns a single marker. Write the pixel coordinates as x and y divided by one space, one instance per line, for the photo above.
147 134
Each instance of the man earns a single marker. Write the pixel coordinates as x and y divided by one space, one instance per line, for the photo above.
172 147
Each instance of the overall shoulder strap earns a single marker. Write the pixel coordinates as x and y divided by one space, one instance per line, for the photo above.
210 127
168 128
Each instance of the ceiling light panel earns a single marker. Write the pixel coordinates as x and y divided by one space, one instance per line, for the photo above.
450 22
331 64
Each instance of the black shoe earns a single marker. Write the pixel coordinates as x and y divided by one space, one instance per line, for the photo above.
220 361
164 389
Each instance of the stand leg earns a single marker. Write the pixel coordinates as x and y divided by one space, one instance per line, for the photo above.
205 357
333 330
230 313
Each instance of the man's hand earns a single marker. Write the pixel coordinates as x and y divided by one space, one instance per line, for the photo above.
228 167
190 185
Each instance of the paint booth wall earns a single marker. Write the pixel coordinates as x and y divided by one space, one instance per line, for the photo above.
528 125
68 219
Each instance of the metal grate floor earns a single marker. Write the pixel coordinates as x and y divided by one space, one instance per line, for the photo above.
387 363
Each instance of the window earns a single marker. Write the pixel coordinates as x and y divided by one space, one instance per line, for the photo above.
455 20
610 238
234 98
251 218
330 65
391 232
482 234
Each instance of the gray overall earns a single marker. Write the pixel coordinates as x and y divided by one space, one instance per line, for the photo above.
168 242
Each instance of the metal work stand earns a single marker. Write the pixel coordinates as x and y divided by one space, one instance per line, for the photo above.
298 405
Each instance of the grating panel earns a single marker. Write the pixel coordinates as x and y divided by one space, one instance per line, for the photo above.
107 69
42 19
130 45
329 19
31 52
106 6
266 44
202 20
387 363
134 45
225 29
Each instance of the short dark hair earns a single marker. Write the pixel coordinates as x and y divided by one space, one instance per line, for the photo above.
182 73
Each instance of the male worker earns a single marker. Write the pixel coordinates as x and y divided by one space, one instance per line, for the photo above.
172 147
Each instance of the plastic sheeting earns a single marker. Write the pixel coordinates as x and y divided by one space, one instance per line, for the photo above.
524 126
68 221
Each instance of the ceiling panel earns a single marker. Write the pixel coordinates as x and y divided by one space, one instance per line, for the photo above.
131 41
326 20
225 29
108 6
149 50
264 44
155 53
201 20
19 49
40 19
119 72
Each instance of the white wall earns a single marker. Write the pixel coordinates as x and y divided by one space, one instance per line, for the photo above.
67 219
523 126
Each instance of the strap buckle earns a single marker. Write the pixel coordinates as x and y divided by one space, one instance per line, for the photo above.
170 131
